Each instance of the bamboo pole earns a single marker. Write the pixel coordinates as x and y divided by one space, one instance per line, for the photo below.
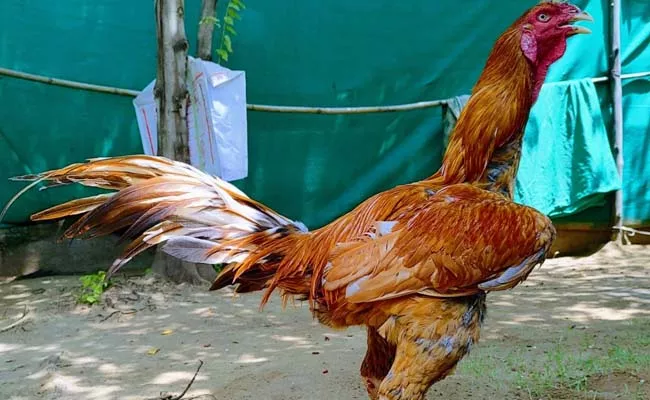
617 103
345 110
67 83
265 107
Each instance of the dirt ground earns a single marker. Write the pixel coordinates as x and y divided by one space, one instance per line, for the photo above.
577 329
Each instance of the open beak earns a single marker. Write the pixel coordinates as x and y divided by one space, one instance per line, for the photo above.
583 16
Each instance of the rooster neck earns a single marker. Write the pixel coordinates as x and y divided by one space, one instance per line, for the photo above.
494 117
501 170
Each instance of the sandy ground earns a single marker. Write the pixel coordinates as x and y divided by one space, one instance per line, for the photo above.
63 351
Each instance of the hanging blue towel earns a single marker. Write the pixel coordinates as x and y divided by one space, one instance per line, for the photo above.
567 164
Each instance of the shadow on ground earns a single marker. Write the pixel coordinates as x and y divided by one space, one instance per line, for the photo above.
577 329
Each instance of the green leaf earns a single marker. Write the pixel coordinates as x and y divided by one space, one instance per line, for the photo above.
231 30
234 6
229 20
92 287
223 54
228 43
210 20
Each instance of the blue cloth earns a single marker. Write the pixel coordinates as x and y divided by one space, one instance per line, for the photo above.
567 164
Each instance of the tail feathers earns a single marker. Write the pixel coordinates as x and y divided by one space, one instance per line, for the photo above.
74 207
148 239
188 248
250 281
278 258
107 173
200 218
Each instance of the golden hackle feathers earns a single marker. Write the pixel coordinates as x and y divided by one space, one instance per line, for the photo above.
495 113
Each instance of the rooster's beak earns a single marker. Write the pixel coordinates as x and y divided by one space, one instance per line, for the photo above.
583 16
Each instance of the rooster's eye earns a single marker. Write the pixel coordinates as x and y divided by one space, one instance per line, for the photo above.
543 17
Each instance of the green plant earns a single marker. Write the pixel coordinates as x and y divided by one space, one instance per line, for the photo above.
218 267
92 287
232 13
570 364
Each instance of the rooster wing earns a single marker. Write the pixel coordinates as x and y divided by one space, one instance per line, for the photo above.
462 241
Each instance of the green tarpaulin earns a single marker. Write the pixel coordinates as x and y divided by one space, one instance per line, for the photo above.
296 52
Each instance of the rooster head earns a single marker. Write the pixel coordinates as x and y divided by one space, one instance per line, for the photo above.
546 27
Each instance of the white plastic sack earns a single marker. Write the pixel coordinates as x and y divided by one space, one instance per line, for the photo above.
216 119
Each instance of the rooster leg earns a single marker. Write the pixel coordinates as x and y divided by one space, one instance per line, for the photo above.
377 362
432 335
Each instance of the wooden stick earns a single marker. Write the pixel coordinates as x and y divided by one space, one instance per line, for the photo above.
189 385
20 320
67 83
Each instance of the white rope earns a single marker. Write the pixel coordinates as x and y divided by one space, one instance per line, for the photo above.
631 231
625 233
635 75
264 107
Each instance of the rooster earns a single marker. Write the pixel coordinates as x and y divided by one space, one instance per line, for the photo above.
412 263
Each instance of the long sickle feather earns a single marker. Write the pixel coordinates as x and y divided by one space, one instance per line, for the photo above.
19 194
